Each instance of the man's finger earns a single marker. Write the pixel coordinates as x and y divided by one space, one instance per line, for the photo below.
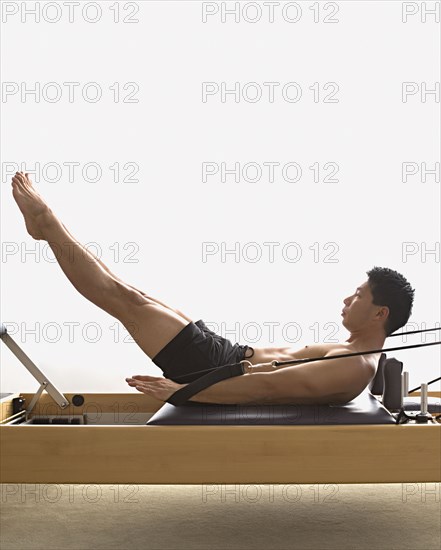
136 380
140 383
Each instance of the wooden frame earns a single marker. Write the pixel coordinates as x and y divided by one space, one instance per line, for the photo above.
139 454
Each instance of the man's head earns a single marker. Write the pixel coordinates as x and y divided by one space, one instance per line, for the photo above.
384 301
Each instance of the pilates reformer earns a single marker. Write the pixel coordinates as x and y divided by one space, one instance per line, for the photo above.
382 436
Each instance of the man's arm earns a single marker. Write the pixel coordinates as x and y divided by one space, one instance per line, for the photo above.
317 382
328 381
247 388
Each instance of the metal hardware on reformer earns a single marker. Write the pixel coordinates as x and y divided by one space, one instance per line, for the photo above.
39 376
405 384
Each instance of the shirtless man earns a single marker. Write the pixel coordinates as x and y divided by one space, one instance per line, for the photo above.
378 307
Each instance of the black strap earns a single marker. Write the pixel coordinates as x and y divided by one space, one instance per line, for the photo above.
221 373
413 332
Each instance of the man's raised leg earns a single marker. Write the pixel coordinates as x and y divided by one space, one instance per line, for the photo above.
103 265
150 324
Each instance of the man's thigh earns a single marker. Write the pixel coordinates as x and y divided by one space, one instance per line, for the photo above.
150 324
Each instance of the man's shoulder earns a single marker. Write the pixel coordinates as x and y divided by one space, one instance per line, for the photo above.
365 359
359 368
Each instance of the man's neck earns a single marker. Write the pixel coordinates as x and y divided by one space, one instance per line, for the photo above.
366 342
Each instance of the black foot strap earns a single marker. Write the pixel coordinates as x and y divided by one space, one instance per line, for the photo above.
221 373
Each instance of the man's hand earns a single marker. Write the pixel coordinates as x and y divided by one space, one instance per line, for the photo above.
156 386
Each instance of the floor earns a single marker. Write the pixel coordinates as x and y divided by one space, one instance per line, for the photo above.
217 517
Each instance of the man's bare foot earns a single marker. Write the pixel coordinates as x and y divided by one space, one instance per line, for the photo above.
34 209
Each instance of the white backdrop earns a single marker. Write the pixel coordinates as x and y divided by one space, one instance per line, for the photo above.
349 121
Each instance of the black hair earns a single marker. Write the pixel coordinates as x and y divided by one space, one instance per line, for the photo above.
389 288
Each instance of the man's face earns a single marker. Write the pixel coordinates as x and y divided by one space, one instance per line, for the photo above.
359 309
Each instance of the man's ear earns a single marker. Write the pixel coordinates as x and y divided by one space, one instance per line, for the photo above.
383 313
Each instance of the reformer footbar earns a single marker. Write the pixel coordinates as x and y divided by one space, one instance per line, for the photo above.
217 374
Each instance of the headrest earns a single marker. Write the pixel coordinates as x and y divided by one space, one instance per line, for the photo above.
377 383
387 382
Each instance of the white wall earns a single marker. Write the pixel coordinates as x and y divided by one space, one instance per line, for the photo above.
365 218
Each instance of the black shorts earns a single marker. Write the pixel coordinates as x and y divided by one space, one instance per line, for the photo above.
196 348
